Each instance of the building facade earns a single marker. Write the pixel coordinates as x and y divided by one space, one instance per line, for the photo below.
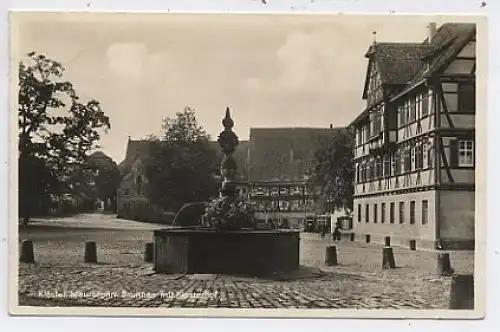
415 142
277 201
280 161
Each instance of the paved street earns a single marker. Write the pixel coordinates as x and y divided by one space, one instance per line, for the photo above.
121 278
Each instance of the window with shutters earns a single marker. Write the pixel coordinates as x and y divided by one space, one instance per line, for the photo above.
466 98
359 212
401 212
375 213
367 213
465 153
425 212
392 211
382 213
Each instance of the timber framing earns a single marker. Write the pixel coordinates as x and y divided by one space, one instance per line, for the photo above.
417 145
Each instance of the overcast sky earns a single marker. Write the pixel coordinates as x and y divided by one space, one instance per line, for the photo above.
272 70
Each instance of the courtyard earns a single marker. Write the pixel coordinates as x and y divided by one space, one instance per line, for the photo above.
121 278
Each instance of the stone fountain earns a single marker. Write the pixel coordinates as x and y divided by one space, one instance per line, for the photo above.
226 241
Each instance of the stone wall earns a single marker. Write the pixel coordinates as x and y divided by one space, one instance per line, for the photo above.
400 232
457 219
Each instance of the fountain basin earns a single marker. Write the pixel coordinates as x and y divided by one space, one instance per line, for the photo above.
238 252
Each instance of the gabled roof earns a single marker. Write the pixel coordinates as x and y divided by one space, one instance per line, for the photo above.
402 66
135 150
398 62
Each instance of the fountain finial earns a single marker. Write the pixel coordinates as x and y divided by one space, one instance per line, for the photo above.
227 122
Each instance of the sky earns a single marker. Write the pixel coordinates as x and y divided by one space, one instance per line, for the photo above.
272 70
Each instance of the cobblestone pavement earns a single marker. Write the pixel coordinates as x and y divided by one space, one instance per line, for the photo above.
137 287
121 278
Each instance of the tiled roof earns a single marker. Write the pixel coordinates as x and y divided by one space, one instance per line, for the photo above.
283 153
449 40
403 65
397 63
135 150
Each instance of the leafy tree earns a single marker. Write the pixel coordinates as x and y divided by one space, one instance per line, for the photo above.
181 165
334 171
184 127
56 130
107 175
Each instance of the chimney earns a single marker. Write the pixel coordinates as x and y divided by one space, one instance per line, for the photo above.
432 31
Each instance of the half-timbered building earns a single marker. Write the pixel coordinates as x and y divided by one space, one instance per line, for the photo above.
415 142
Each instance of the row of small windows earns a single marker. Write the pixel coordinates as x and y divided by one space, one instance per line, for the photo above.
414 109
410 158
457 97
392 212
413 157
285 206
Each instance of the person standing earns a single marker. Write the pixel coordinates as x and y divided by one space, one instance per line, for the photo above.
336 233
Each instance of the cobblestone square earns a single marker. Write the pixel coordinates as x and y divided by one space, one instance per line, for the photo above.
122 279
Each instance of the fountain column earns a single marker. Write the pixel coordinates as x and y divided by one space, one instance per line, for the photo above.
228 142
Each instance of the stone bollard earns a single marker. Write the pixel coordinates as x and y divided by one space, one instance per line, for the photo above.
27 252
90 255
443 264
148 252
388 261
387 241
367 238
331 256
462 292
413 245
